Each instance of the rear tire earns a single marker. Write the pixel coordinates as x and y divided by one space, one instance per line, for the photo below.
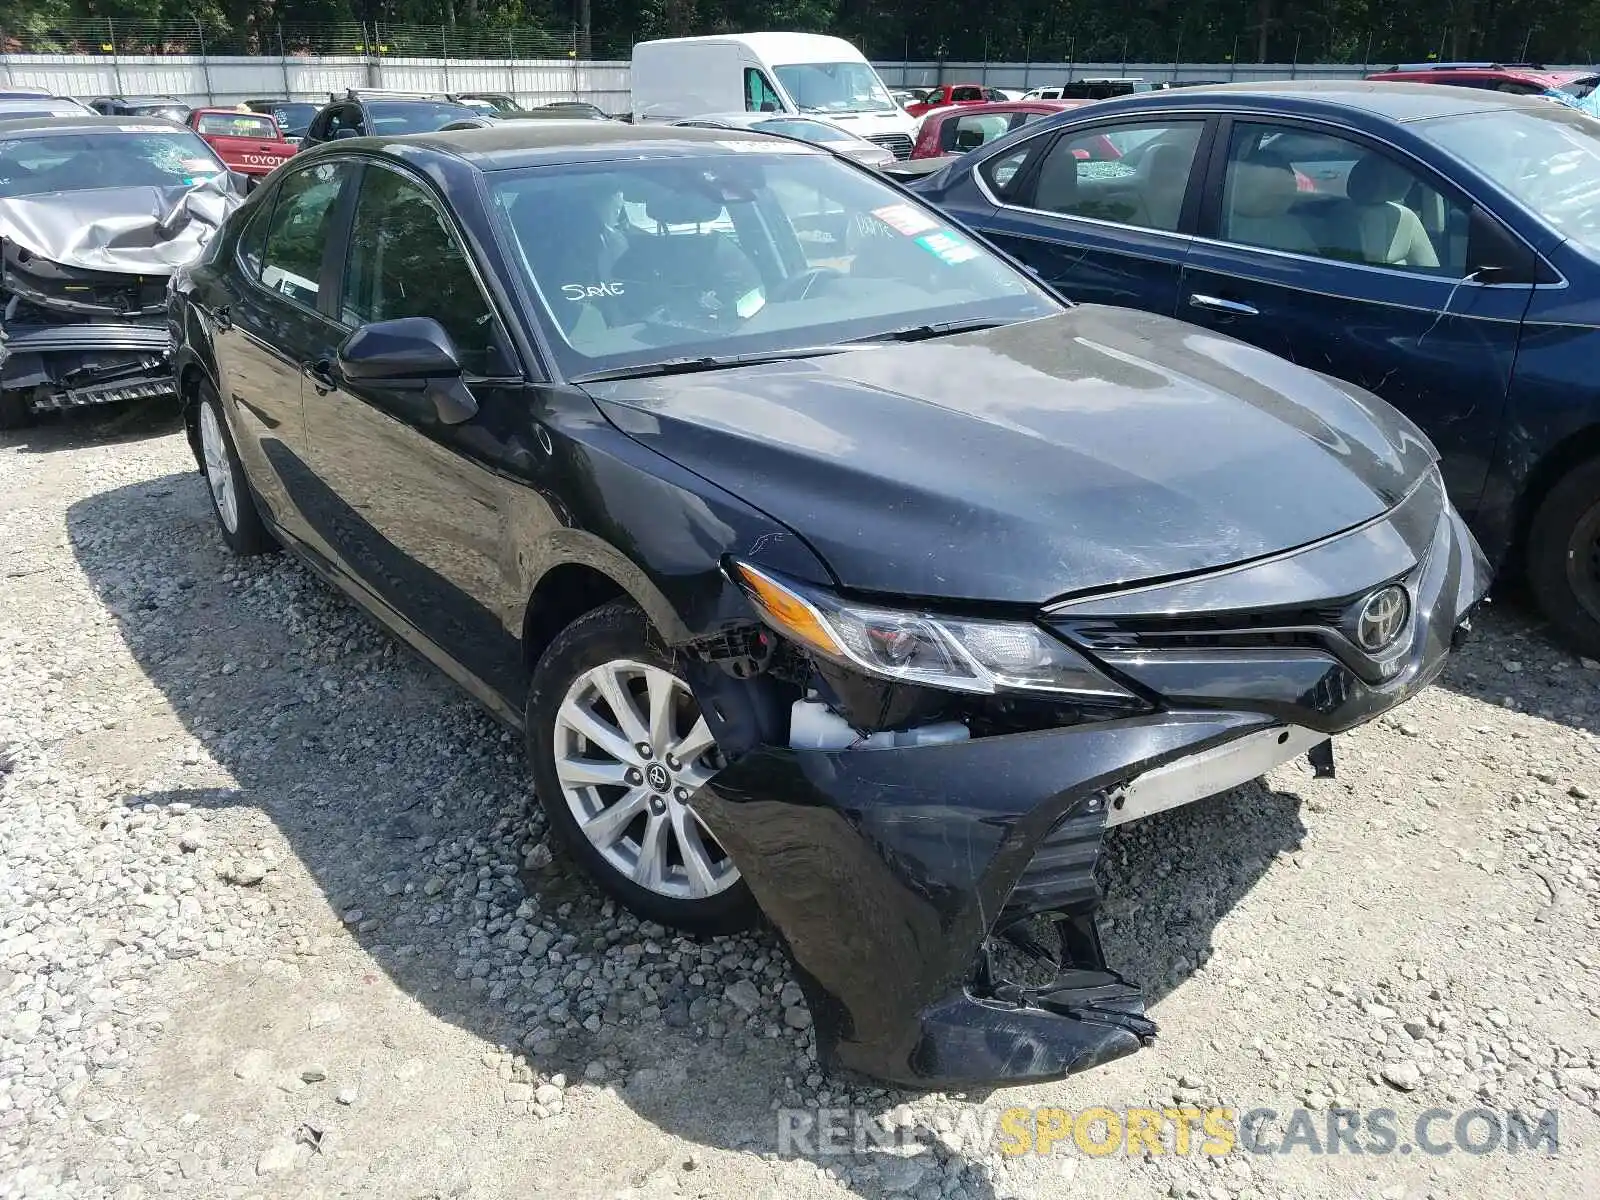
614 788
231 498
1564 558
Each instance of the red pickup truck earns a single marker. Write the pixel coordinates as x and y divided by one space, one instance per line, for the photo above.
250 143
955 93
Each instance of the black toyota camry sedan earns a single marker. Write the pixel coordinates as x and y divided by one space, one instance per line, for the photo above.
833 571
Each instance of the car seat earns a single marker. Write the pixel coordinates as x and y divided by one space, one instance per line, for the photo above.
695 276
1057 187
1256 204
1376 224
1166 180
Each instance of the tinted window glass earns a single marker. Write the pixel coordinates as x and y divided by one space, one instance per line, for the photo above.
1133 174
405 261
302 221
1316 193
970 132
759 94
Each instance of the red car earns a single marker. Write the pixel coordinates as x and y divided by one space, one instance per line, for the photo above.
1520 79
962 127
954 93
249 143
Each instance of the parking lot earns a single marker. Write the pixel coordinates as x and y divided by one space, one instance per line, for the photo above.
274 921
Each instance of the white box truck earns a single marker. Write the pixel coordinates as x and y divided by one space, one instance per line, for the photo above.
675 78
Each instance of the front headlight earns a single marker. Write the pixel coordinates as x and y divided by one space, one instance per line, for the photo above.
963 654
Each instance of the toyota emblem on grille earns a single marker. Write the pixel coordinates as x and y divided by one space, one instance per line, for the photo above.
1381 618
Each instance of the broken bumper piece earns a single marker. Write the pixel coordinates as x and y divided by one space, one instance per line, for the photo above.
939 900
76 364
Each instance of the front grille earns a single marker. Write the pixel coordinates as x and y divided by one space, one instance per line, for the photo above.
1060 875
897 142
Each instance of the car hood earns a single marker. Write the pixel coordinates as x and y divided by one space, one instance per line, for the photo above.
131 230
1097 448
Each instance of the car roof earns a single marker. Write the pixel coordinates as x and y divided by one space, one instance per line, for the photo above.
508 144
1008 106
748 120
87 123
1521 74
1395 101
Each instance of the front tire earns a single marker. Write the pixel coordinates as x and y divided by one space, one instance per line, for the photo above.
617 747
231 499
15 412
1564 558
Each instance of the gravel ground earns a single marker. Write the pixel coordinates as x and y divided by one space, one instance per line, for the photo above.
275 920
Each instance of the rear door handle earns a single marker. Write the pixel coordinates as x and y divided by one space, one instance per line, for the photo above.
320 373
1218 304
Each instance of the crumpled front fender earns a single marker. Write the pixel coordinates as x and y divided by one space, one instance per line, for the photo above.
887 871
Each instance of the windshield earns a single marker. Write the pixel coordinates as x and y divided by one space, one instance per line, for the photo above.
293 118
773 249
1580 87
834 87
414 116
237 125
81 161
1548 158
811 131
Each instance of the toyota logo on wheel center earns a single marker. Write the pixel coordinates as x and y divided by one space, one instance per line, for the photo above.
657 777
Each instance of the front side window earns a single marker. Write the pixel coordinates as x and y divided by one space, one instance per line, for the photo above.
1316 193
302 223
759 94
1133 174
80 160
966 94
840 87
651 259
404 261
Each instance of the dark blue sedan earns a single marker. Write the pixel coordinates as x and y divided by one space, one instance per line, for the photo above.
1438 246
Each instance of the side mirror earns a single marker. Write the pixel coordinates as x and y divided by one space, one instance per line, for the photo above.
410 354
240 182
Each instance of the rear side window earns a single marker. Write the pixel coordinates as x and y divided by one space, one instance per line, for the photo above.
967 93
970 132
301 226
1133 174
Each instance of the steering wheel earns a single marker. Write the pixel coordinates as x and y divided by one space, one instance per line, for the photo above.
798 287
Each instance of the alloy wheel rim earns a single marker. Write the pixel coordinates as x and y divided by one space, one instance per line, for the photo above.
219 471
1583 562
631 749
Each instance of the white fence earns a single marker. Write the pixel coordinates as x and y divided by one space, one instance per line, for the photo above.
216 80
227 80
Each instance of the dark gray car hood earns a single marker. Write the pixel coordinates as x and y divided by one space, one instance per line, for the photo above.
1092 449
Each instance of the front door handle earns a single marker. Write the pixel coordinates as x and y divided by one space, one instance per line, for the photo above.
320 373
1218 304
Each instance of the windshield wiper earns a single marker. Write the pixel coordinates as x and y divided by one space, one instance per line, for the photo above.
919 333
707 362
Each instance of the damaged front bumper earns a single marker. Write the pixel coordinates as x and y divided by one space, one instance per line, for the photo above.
76 364
939 901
